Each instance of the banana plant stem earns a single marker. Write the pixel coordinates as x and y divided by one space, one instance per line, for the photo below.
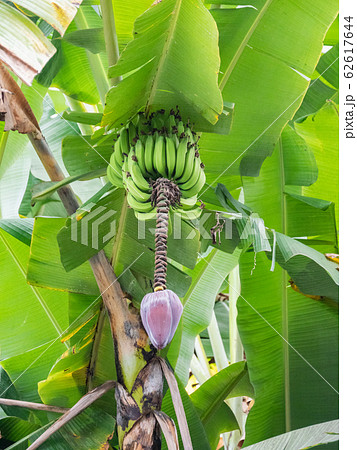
236 354
215 337
77 106
197 370
202 357
110 36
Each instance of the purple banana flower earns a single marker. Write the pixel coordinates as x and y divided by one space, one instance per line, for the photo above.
160 313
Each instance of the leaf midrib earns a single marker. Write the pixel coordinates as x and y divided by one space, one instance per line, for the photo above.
242 46
284 297
168 42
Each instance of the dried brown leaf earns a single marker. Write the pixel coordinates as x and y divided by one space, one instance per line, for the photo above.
168 428
148 386
178 405
14 108
80 406
127 408
143 435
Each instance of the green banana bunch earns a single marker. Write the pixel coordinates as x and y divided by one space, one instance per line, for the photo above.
158 146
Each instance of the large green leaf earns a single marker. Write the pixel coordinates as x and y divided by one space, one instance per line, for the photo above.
285 208
14 429
207 278
291 345
259 49
21 229
320 132
233 381
300 168
167 65
45 267
308 437
54 129
221 311
319 90
328 66
28 368
8 390
76 77
23 307
80 154
87 364
92 39
316 96
89 430
27 349
82 239
310 270
125 13
275 314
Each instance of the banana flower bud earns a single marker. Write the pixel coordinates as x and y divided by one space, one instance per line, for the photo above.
160 313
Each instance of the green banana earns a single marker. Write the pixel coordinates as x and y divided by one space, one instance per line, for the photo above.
180 128
140 154
193 177
149 155
135 172
189 160
132 133
145 216
188 202
170 152
124 141
170 156
144 207
117 155
189 134
196 188
191 214
180 158
170 123
160 156
125 168
137 193
141 125
113 176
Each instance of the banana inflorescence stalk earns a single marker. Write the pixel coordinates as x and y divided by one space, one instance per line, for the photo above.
157 160
165 194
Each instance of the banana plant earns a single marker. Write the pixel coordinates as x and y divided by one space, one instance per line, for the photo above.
151 125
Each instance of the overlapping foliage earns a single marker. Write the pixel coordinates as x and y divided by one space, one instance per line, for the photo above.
282 222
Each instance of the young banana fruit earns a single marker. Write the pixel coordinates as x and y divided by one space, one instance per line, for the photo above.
158 146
